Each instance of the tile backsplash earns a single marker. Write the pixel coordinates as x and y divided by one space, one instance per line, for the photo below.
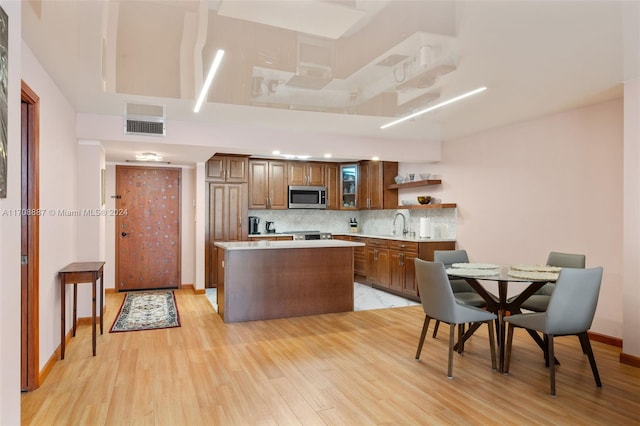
377 222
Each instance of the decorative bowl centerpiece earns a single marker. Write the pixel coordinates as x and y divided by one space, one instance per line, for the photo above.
425 176
399 179
424 199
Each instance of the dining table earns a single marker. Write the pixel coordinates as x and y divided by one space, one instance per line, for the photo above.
501 304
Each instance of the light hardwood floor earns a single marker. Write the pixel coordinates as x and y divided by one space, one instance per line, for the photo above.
356 368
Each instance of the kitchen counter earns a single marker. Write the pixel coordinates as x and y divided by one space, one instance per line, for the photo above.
396 237
262 245
259 280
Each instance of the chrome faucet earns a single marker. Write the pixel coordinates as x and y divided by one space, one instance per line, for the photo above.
405 231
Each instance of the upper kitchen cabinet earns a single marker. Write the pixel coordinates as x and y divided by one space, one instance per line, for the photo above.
332 182
374 180
267 184
306 174
228 168
349 186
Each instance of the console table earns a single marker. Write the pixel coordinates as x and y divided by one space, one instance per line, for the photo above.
76 273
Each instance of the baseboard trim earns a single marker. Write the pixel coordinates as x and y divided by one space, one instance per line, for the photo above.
631 360
602 338
110 291
53 359
200 291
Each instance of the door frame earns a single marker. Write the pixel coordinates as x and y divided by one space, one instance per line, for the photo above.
30 232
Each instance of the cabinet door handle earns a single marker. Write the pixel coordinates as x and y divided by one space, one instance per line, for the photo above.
401 258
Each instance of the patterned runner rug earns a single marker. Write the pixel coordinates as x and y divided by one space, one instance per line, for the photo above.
147 310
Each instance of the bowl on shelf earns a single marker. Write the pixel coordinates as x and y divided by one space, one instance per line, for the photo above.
424 199
408 202
399 179
425 176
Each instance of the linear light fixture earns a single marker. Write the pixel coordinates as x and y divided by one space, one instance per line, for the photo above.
431 108
207 83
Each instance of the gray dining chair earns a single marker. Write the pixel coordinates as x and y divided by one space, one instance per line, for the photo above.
438 303
462 291
539 300
570 312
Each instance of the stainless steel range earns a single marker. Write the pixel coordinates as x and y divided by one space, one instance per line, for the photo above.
310 235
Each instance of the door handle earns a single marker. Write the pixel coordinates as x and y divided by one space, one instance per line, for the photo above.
124 234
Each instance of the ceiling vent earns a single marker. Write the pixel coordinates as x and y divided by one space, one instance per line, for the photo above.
141 119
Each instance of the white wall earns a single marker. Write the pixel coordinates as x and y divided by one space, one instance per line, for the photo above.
548 184
91 226
58 180
10 231
631 253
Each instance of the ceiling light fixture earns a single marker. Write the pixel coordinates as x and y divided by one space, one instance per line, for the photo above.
433 107
148 156
327 155
207 83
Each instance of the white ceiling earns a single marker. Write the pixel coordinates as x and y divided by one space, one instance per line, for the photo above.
368 57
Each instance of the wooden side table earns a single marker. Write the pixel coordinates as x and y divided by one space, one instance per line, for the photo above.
75 273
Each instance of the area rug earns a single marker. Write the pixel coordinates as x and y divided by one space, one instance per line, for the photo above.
147 310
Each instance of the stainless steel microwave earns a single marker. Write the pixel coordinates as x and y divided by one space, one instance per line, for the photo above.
307 197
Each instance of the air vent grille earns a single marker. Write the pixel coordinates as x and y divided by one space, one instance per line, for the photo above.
141 119
146 127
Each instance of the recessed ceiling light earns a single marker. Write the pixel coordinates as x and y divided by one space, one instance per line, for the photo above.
276 152
207 83
327 156
375 158
436 106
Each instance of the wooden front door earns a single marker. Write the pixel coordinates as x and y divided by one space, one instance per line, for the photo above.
147 228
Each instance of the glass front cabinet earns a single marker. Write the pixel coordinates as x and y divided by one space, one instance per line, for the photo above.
349 186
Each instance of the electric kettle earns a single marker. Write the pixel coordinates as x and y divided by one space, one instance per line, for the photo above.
270 228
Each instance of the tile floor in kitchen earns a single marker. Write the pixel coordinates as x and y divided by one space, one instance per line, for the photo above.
364 298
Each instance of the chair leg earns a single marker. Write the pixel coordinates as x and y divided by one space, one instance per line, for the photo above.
452 329
460 344
582 344
492 344
545 339
425 326
552 365
586 345
507 349
435 328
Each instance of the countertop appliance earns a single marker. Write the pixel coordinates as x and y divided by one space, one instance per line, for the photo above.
310 235
269 227
307 197
254 222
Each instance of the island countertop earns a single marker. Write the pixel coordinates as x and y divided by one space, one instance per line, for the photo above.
262 245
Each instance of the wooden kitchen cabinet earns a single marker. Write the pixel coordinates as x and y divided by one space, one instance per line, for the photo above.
306 174
349 186
268 184
402 255
359 258
332 181
374 179
228 168
227 221
377 253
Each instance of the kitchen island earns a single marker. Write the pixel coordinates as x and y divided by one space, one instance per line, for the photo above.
279 279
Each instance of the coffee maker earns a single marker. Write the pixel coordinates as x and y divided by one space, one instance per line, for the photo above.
254 221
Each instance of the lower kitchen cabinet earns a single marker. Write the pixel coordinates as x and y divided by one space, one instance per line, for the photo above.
360 258
402 267
390 264
378 262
